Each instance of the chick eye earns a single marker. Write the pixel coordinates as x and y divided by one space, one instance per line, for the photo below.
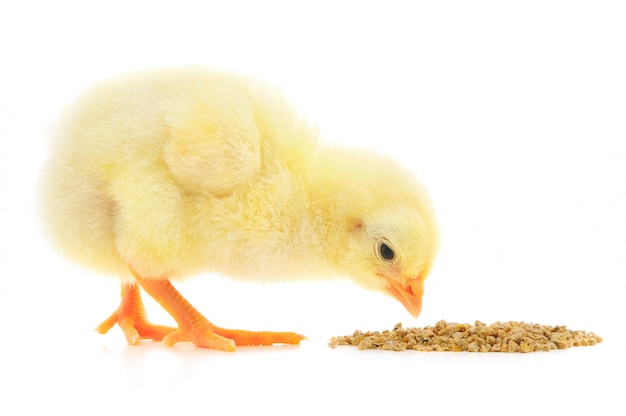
386 252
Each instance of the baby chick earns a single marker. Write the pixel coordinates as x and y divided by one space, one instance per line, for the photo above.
163 174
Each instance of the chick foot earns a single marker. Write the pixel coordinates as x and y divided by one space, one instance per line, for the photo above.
194 327
131 318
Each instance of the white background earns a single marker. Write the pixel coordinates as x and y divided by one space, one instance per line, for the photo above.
512 114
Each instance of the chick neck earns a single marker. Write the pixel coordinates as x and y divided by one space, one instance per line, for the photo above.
331 202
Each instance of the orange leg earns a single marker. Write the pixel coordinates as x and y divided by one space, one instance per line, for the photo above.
131 317
194 327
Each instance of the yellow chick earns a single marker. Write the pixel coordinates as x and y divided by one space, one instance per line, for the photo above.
159 175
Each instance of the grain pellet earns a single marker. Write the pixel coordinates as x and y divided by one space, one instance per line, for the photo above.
450 336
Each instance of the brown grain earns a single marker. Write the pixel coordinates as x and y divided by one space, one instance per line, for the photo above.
449 336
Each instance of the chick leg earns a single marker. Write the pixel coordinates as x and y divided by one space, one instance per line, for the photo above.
131 317
196 328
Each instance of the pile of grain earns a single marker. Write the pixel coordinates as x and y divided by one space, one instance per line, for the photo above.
449 336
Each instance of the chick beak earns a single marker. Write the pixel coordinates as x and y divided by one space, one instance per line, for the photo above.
410 295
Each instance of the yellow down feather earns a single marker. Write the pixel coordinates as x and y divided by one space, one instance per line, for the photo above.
187 170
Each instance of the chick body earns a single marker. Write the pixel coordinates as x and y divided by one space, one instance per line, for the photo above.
170 173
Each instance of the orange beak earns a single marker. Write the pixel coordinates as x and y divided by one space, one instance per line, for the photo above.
410 295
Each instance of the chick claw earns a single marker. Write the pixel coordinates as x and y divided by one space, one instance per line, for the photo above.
131 318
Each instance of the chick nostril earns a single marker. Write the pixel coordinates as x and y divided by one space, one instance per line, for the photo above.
416 286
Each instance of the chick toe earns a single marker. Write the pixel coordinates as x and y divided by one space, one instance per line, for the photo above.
201 337
130 316
242 337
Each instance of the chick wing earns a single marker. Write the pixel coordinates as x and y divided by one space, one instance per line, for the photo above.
214 141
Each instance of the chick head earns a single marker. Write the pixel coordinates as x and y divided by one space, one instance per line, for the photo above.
392 235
